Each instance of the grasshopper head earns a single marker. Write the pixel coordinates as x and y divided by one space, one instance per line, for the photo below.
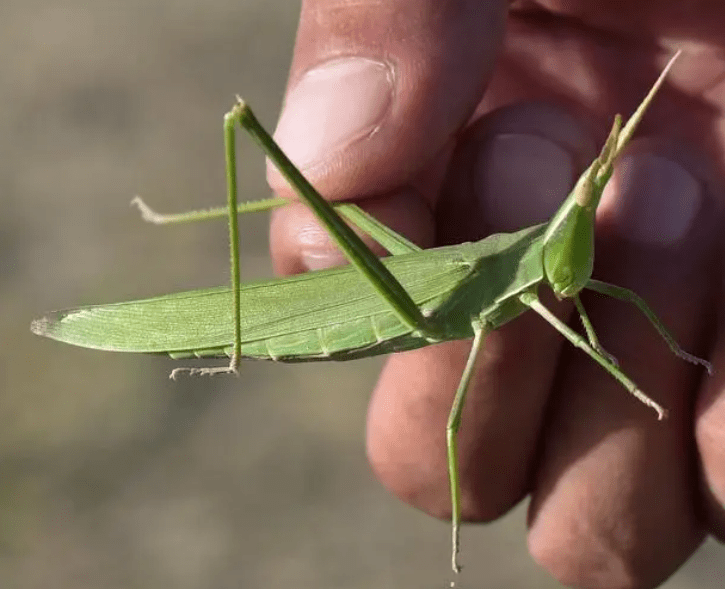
569 256
569 239
568 253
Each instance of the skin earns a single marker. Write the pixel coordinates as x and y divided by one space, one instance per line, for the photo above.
617 498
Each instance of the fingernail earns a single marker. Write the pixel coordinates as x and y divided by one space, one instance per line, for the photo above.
521 179
653 199
332 106
317 251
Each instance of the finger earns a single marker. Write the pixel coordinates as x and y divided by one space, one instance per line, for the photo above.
614 503
710 436
710 422
298 243
377 90
512 168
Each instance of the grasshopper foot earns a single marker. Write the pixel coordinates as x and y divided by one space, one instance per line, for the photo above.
232 368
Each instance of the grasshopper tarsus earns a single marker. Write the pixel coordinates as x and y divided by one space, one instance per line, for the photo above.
231 368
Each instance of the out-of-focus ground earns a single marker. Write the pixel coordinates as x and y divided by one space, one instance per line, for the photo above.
111 475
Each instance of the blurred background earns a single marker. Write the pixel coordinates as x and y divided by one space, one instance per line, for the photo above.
110 474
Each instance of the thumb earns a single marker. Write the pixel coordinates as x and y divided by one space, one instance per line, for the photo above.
376 88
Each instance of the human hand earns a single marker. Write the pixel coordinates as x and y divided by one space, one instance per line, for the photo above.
380 110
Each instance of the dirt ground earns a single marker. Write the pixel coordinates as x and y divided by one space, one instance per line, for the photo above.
110 475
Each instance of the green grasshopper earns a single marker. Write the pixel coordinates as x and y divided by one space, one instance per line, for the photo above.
411 299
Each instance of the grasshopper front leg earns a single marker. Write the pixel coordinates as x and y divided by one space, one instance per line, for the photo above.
532 301
628 296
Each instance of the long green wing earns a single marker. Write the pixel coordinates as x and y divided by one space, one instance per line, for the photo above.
319 315
315 313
